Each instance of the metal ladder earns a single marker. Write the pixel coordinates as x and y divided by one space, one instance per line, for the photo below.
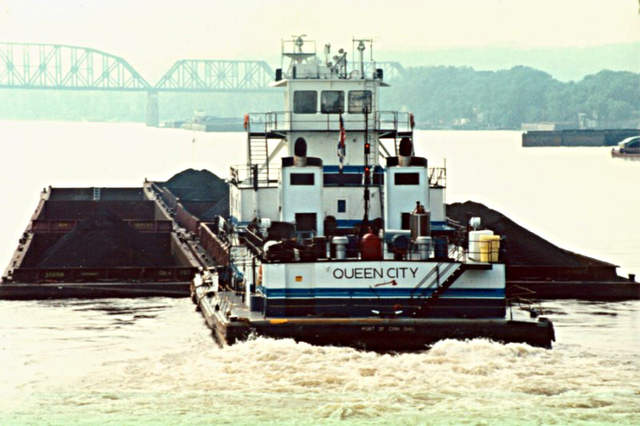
259 156
440 287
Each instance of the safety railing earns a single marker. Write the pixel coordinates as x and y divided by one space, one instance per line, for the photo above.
385 121
255 176
486 251
438 177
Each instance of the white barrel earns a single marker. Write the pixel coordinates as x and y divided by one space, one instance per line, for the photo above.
341 246
424 247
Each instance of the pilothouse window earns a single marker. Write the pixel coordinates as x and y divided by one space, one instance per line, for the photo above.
332 102
305 101
358 99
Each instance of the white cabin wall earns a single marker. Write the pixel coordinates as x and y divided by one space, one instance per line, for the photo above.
400 199
302 198
248 197
235 202
354 197
245 204
318 145
437 205
269 203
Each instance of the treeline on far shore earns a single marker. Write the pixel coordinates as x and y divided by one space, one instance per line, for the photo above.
439 97
463 97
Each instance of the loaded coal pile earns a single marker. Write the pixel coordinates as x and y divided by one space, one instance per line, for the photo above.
523 247
221 208
104 240
198 185
201 185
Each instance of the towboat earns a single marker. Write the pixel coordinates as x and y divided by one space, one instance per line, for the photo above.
337 232
627 148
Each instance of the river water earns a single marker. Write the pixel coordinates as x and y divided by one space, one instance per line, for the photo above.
153 361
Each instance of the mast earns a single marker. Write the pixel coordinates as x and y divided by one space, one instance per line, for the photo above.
367 171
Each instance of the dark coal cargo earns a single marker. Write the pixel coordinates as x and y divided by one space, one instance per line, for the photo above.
202 193
529 256
104 240
198 185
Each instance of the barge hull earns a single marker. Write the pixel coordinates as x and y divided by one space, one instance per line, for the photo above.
405 334
581 290
387 334
41 291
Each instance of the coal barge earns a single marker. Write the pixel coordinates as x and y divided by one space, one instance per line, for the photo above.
99 242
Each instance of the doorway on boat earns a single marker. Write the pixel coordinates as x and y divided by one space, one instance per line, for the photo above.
306 222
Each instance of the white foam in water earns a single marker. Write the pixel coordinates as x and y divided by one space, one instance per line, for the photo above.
154 361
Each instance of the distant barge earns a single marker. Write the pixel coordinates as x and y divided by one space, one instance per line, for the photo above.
577 137
205 124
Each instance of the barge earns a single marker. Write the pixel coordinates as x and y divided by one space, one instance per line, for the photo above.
346 241
99 242
576 137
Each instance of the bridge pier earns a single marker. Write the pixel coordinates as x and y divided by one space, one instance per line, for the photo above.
153 109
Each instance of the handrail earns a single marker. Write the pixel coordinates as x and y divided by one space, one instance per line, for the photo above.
244 175
438 176
285 120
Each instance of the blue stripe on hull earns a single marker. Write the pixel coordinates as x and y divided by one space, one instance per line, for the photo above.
412 308
281 293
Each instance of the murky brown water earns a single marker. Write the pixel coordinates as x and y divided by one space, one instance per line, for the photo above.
153 361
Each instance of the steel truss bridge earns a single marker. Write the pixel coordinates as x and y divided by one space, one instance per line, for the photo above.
63 67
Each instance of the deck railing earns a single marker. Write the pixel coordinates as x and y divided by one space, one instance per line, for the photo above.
438 177
385 121
258 176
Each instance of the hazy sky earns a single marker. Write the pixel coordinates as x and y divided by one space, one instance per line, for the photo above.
151 35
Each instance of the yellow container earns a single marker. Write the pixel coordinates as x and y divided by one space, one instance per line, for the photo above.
489 248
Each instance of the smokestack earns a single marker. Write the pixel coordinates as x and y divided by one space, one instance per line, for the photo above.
405 152
300 153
